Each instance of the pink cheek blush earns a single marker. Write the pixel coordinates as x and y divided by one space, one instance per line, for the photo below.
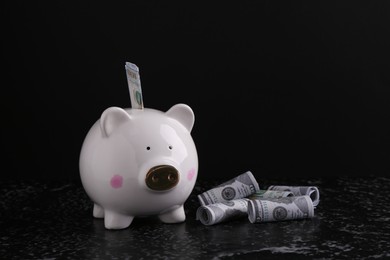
116 181
191 174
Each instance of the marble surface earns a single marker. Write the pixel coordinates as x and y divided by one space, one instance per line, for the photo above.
53 220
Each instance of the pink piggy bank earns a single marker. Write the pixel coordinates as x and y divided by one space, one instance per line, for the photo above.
137 162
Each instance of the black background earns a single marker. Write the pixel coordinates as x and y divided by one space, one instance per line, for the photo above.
281 88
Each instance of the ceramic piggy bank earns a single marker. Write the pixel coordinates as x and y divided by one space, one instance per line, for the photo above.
137 162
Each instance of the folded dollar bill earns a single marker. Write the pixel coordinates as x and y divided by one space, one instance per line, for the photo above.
272 194
219 212
287 208
223 211
311 191
237 188
134 83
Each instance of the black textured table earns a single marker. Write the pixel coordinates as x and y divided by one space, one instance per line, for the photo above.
53 220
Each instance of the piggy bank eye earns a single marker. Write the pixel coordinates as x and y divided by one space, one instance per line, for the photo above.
148 148
170 147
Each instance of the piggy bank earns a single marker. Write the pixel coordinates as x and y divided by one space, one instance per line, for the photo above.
136 163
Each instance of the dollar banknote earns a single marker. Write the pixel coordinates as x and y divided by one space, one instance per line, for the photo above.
237 188
272 194
223 211
287 208
312 191
134 83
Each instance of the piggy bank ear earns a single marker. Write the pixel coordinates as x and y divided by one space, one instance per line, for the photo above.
182 113
112 118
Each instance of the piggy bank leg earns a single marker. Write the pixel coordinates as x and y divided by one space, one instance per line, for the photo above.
173 215
113 220
98 212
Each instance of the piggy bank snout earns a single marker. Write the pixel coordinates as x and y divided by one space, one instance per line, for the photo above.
162 177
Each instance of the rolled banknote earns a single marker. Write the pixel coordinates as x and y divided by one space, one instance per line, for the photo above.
219 212
240 187
267 210
270 194
311 191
